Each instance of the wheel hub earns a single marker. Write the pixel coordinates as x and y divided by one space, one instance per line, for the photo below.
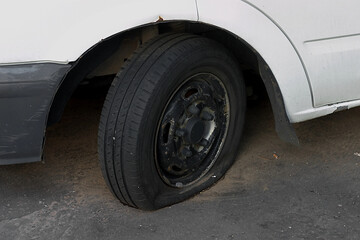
192 130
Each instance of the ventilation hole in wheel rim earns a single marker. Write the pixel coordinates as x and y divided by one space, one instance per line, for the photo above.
166 132
190 92
176 168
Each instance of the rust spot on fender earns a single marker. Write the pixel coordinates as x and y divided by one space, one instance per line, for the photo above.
160 19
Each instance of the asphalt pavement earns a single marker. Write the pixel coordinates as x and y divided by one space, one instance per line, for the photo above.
273 191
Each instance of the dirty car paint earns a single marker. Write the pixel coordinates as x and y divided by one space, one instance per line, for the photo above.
26 93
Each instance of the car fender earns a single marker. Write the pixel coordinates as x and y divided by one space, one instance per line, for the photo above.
267 38
61 31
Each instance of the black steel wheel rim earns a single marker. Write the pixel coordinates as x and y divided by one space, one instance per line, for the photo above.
192 130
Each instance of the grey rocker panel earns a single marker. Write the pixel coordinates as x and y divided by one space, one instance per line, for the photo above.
26 93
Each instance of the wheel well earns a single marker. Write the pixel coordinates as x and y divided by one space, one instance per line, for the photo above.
108 56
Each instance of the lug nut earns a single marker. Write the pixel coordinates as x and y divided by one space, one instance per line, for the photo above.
207 116
187 152
193 109
180 132
204 142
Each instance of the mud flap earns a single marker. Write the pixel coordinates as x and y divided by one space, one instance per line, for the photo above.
284 128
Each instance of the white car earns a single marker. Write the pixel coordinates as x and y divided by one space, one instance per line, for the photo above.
173 117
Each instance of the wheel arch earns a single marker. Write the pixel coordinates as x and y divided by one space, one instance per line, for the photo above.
243 50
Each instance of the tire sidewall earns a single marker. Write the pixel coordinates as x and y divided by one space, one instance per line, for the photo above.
204 60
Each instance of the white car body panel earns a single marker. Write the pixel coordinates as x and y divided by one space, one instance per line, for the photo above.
62 30
326 33
268 40
316 76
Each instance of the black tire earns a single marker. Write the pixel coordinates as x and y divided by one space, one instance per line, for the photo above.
135 104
